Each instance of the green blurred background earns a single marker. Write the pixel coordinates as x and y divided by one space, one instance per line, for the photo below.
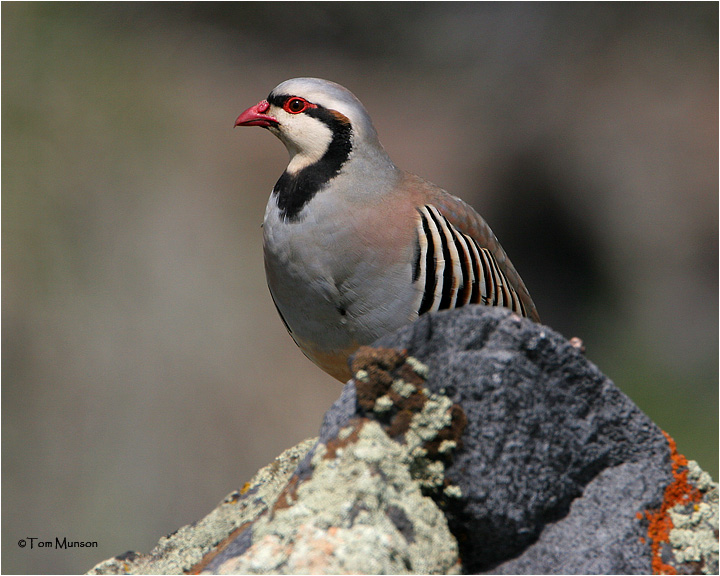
145 371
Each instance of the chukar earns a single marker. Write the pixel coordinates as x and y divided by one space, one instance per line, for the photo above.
354 247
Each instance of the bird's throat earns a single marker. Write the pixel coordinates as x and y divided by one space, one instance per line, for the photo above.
296 188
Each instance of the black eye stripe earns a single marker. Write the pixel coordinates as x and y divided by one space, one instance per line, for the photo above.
279 100
332 118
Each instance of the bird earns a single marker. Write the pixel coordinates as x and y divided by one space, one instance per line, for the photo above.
354 247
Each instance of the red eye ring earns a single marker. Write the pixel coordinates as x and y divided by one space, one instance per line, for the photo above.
296 105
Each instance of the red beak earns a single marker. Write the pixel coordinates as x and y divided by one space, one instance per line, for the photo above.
255 116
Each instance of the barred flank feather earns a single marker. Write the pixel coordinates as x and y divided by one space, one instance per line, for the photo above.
455 270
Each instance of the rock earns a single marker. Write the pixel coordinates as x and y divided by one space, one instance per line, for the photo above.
356 503
180 551
473 441
544 426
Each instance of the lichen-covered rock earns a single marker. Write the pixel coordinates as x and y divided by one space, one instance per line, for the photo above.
182 550
474 441
683 531
360 502
359 513
559 470
694 535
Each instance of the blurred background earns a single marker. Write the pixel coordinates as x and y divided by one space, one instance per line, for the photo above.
145 371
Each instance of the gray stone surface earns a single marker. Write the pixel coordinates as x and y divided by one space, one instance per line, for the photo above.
544 426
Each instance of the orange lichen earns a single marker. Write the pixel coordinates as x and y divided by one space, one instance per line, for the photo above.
679 491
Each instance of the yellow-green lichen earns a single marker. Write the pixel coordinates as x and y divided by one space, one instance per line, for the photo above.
340 521
447 446
418 367
402 388
701 479
362 375
452 491
434 416
383 404
694 534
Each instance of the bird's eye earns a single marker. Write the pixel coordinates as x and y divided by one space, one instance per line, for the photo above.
295 105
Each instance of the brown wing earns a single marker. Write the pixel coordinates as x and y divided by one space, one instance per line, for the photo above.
459 260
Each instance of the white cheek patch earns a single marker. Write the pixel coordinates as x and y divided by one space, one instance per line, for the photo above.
306 138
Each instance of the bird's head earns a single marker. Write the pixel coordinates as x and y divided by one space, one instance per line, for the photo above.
316 120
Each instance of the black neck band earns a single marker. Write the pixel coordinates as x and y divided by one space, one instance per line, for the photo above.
294 191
